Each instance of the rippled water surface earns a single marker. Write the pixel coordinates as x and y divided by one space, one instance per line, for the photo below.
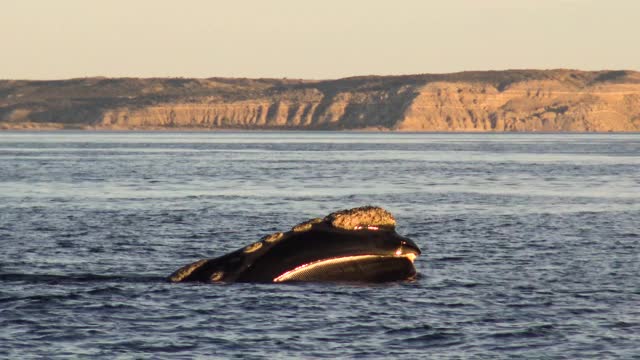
531 244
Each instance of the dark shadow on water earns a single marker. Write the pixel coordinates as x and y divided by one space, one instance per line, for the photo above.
52 279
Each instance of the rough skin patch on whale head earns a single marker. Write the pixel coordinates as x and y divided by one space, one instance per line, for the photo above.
186 270
370 216
217 276
307 225
253 247
269 239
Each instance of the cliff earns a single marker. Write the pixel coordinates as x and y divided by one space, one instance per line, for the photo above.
513 100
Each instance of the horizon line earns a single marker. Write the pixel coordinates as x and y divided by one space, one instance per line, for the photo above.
313 79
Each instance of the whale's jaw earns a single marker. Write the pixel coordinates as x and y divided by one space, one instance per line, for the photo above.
369 268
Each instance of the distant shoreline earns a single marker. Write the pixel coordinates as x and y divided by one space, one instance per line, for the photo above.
272 131
479 101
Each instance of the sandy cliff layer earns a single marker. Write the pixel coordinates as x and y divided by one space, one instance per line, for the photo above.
530 106
519 100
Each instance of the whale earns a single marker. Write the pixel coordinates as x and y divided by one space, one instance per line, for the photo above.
352 245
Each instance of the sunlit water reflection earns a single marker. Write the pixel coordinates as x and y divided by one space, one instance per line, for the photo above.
530 244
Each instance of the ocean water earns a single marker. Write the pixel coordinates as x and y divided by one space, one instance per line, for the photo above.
531 244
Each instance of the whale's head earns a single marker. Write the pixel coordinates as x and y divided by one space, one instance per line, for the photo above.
359 244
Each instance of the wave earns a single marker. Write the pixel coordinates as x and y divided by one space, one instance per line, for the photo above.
76 278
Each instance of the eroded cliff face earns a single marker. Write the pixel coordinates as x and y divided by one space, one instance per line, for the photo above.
556 100
293 110
530 106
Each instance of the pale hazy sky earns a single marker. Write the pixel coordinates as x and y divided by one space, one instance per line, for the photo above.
55 39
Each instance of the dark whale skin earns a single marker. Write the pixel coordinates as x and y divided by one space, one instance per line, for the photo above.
315 251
